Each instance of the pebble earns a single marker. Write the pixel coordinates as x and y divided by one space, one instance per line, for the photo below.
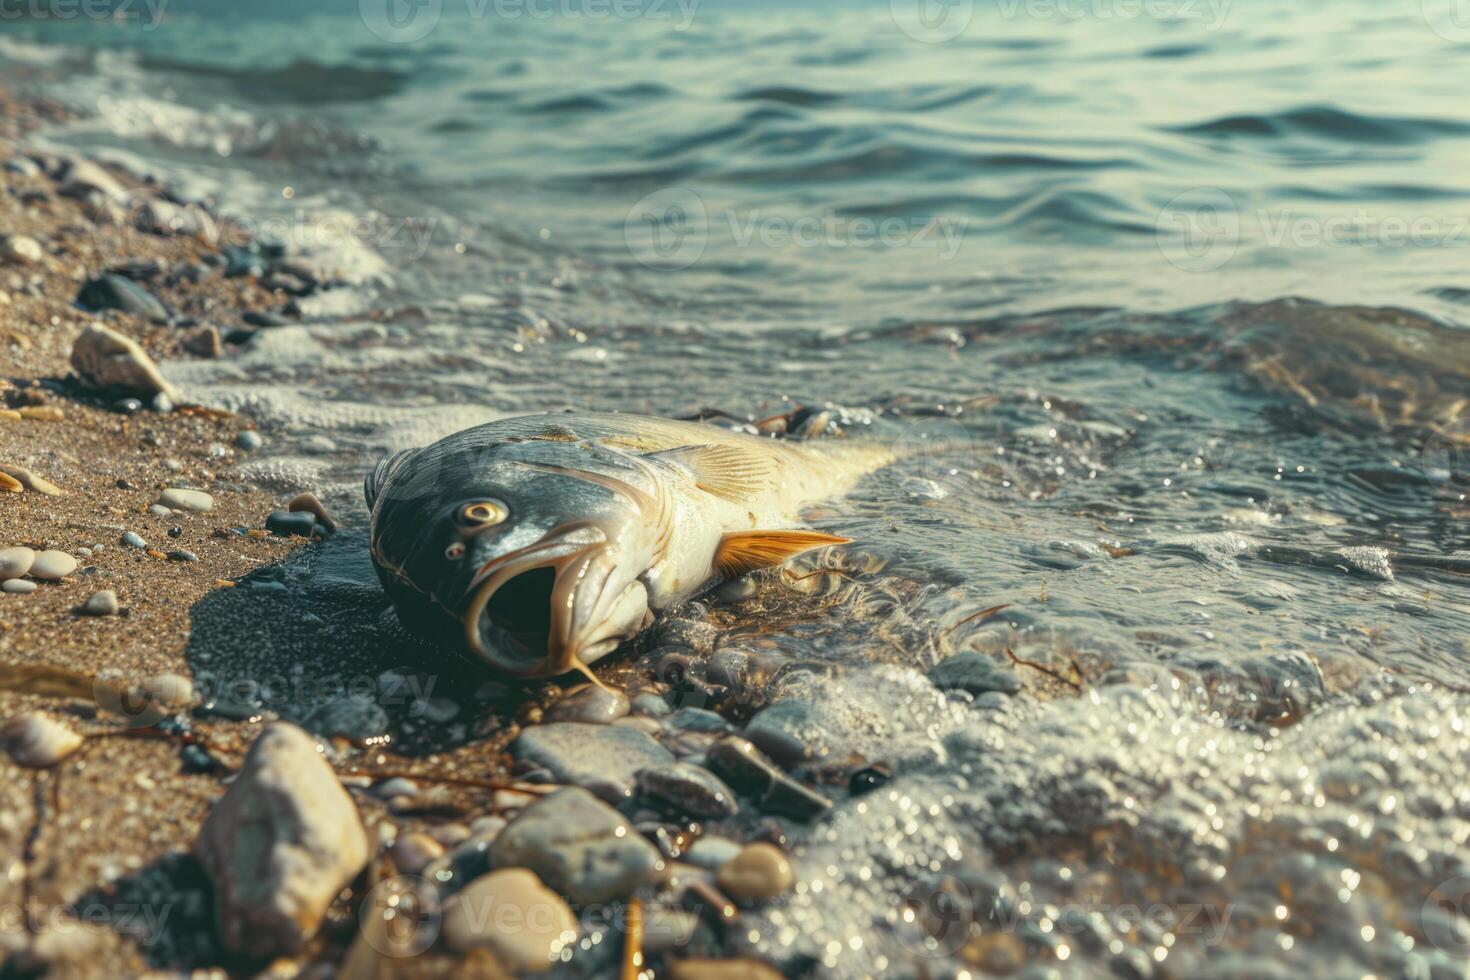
975 673
15 562
180 499
395 786
18 586
774 730
79 178
102 603
579 846
158 510
758 873
283 523
127 406
182 555
204 342
258 319
279 846
307 503
249 440
21 249
169 690
105 358
161 403
651 705
414 851
31 481
37 740
711 852
688 790
42 413
52 565
743 767
512 913
591 704
602 758
112 292
698 720
352 717
24 166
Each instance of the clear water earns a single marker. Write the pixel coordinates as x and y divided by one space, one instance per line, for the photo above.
1229 524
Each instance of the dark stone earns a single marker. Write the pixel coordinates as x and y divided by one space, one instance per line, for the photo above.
683 789
698 720
127 406
754 776
285 523
603 758
113 292
182 555
256 318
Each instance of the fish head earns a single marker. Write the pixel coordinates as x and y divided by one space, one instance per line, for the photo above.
521 556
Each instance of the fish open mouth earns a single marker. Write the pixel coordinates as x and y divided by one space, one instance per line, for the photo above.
516 621
519 612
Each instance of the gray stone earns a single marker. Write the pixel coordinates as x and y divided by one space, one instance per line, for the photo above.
775 731
112 292
134 540
683 789
975 673
79 178
602 758
249 440
710 852
591 704
280 845
21 250
652 705
698 720
741 765
579 846
18 586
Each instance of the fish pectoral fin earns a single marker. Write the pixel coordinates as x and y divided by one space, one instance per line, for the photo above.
732 472
745 551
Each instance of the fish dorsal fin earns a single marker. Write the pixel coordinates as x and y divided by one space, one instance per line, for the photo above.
732 472
746 551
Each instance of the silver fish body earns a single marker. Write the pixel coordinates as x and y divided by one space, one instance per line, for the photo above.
540 543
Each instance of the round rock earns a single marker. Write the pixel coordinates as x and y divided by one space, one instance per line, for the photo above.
18 586
15 562
591 704
52 565
102 603
682 788
758 873
512 913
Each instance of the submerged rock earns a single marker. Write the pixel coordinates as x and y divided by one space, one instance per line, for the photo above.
580 846
975 673
602 758
279 845
513 913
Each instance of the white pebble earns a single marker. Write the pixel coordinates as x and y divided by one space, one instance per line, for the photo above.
18 586
102 603
181 499
52 565
15 562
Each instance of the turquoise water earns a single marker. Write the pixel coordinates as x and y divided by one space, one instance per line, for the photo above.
1095 273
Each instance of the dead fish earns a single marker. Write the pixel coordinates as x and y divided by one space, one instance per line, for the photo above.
541 543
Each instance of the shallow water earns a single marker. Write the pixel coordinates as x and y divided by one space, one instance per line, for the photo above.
1227 525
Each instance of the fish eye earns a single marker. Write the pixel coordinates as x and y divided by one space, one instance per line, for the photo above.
454 551
481 513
